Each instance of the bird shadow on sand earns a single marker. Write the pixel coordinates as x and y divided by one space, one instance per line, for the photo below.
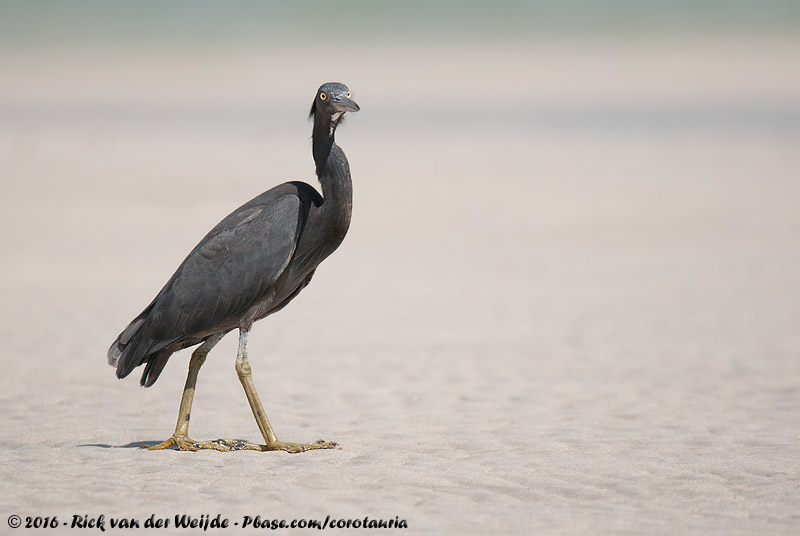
137 445
133 445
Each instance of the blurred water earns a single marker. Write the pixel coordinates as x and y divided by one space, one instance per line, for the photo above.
616 67
210 22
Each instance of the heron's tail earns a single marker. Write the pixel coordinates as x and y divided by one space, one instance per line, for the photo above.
134 347
118 347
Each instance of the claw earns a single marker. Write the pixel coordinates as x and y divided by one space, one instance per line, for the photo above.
295 448
182 442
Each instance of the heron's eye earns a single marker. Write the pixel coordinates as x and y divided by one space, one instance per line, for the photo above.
348 94
322 96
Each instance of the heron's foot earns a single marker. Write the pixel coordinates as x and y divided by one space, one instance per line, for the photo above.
299 447
183 442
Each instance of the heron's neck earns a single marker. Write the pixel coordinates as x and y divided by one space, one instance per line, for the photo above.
333 172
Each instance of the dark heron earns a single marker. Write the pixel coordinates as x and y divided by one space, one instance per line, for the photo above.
250 265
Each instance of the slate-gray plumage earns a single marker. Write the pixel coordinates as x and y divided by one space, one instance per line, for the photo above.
250 265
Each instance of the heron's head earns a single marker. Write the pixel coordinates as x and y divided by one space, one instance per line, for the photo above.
332 101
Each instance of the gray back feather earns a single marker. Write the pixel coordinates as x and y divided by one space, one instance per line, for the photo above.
226 274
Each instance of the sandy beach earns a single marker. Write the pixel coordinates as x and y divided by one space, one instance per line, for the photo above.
569 301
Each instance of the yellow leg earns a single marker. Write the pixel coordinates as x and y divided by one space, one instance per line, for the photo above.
244 373
180 438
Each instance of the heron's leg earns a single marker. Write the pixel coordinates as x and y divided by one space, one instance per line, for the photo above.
244 373
181 436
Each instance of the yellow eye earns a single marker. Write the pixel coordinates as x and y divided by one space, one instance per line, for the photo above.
348 94
322 96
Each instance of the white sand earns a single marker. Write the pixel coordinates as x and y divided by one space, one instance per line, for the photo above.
530 329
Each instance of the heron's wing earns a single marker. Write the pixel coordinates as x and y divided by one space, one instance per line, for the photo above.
230 270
